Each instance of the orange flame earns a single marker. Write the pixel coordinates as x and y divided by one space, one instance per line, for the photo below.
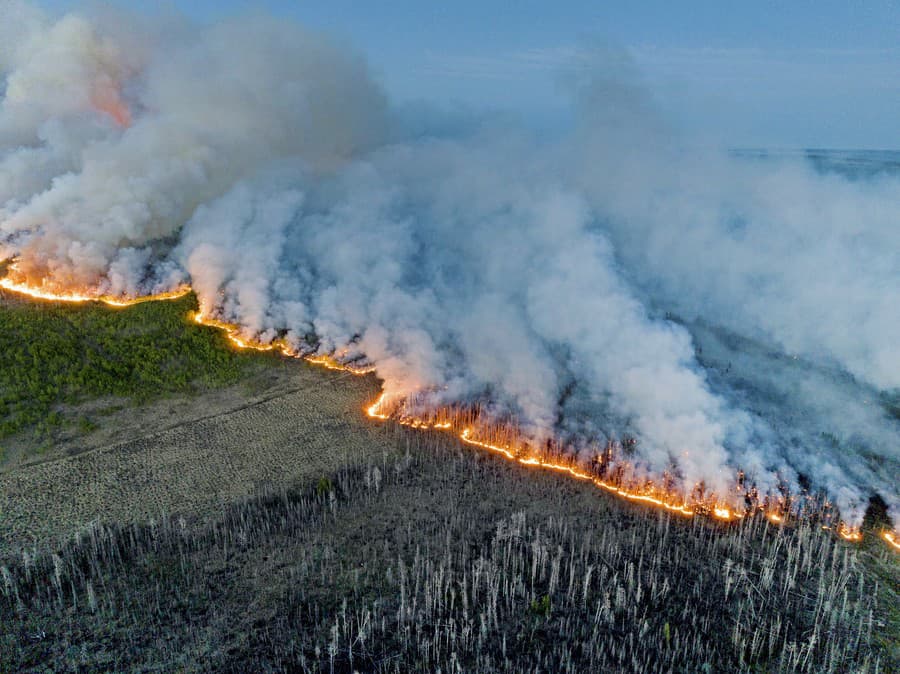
849 533
108 100
891 539
333 364
374 410
725 513
649 496
233 334
38 293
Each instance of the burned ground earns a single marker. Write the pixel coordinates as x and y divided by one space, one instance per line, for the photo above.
442 558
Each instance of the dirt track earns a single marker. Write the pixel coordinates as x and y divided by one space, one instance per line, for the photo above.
307 424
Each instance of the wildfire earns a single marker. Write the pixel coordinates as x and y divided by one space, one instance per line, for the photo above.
849 533
333 364
891 540
233 334
725 513
374 410
648 496
38 293
108 100
442 420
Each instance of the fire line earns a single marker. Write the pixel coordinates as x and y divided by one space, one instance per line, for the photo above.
441 421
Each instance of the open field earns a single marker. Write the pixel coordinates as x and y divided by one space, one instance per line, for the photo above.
204 454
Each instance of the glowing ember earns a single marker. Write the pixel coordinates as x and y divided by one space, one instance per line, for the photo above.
849 533
726 514
891 539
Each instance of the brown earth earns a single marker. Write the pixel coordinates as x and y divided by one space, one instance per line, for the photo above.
191 455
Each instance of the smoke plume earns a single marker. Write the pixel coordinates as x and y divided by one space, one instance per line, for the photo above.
728 313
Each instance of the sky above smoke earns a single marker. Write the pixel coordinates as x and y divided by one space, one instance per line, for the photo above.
806 73
729 313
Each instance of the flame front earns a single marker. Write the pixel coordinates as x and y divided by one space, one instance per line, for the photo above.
650 496
849 533
441 420
38 293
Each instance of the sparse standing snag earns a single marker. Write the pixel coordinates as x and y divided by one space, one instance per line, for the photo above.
494 570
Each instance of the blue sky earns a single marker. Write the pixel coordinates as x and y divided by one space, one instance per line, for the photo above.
761 73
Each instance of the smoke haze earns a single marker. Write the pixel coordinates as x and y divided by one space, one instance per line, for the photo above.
729 313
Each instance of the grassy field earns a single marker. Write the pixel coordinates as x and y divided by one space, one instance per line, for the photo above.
246 516
193 455
54 356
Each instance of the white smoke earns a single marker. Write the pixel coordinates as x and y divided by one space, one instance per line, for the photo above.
254 160
207 111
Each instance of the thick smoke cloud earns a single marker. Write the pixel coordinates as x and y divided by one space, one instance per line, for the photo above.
118 153
727 313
